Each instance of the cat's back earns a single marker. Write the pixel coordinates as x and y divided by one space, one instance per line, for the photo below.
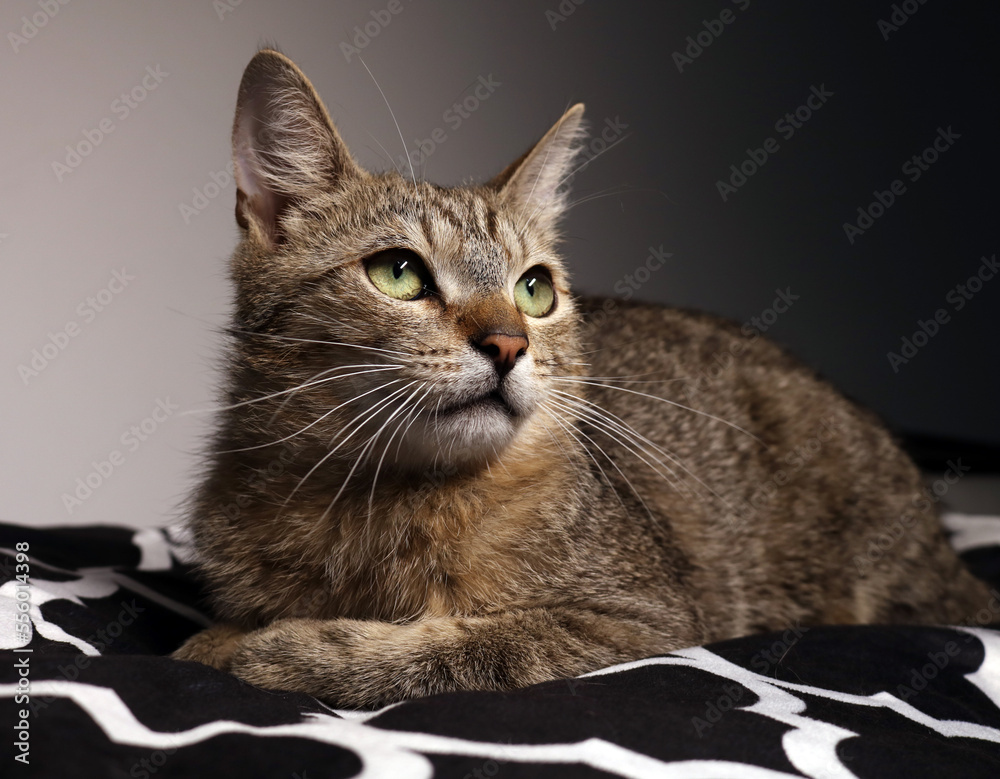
772 482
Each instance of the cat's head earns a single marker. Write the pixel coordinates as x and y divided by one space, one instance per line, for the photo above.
425 320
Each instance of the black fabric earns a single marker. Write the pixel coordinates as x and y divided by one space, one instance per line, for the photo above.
108 603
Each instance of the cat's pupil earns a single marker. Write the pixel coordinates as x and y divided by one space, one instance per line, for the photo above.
399 267
530 285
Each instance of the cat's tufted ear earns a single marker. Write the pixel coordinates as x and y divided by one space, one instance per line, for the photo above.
285 147
536 182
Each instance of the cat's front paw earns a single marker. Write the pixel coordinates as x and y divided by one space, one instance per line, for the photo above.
214 646
262 657
308 656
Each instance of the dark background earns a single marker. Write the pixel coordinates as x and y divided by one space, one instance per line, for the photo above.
784 227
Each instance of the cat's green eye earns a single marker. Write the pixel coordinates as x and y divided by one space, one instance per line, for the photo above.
533 293
399 274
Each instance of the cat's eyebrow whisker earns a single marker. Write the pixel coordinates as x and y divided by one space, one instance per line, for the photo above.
635 435
413 176
387 155
580 167
317 420
589 160
622 190
664 400
610 192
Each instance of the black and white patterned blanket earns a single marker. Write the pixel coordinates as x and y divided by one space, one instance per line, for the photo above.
87 692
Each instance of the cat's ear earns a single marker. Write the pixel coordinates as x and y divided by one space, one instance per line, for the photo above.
536 181
285 147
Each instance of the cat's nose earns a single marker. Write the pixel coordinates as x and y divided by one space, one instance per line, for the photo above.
503 349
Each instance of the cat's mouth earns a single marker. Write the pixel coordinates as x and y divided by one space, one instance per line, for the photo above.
490 400
469 429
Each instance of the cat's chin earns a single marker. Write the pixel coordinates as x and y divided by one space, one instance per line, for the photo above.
463 436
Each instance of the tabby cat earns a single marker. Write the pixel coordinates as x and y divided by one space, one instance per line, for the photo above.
438 470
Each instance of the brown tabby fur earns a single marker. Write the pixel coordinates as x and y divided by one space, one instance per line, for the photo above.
490 547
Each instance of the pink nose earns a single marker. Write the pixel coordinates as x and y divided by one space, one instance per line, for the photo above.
503 349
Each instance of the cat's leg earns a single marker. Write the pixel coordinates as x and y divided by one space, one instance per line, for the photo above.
213 646
360 664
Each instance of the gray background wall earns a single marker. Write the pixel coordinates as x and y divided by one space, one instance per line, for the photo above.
131 205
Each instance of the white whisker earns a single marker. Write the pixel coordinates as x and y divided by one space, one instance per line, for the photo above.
315 421
621 437
278 336
570 431
287 391
365 448
664 400
378 467
623 427
371 411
